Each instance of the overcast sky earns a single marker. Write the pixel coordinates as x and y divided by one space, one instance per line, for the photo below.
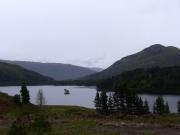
85 32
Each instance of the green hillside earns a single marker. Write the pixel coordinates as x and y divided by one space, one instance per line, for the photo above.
14 75
155 55
153 80
57 71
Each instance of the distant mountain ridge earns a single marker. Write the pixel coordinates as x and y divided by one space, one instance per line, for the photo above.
11 74
96 69
155 80
153 56
56 71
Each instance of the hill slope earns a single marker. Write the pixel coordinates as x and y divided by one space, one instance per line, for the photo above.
152 80
155 55
14 75
96 69
56 71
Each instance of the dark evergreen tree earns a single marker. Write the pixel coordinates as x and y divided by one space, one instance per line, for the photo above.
24 94
146 107
159 106
131 100
110 104
120 98
167 110
140 105
104 101
123 99
97 102
178 106
117 101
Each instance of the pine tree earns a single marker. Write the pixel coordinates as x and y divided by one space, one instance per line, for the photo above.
103 101
110 104
24 94
97 102
123 100
131 99
167 110
178 106
117 101
140 105
120 98
159 106
146 107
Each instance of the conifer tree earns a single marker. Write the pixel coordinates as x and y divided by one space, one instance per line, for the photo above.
104 101
131 100
117 101
146 107
159 106
167 110
123 100
24 94
140 106
110 104
97 102
120 98
178 106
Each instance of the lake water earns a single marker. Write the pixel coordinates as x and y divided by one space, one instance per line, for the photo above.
79 96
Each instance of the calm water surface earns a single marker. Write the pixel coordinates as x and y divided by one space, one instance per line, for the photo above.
80 96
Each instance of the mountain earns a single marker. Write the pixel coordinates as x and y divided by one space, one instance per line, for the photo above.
153 56
11 74
56 71
96 69
155 80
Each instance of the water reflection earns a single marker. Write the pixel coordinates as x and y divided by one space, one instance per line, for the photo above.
80 96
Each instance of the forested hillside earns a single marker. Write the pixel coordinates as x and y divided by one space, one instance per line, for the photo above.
56 71
152 80
155 55
14 75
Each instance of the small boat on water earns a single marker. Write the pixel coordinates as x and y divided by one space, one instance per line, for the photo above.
66 92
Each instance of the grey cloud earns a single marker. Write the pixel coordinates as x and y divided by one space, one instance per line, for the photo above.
79 31
89 62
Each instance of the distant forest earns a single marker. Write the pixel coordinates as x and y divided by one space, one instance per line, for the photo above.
153 80
11 74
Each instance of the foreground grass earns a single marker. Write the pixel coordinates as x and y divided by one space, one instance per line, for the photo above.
65 120
72 120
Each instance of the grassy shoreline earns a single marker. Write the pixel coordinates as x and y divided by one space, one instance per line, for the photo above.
70 120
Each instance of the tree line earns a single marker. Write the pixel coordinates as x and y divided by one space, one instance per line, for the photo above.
126 101
154 80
